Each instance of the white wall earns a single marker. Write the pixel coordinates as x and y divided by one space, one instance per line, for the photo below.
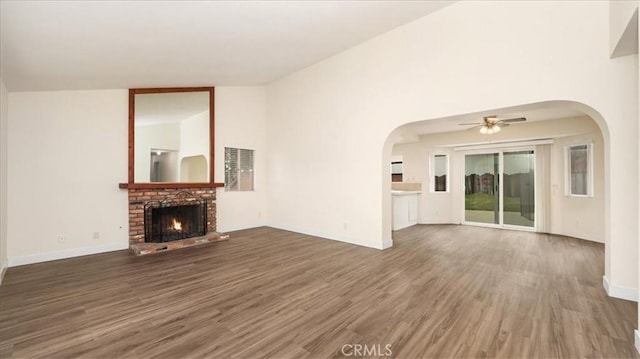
4 121
466 58
580 217
194 139
67 154
435 207
637 332
240 122
621 13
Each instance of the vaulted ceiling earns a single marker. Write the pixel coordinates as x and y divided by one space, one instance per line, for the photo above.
55 45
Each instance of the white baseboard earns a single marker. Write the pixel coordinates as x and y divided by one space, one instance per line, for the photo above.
224 229
578 236
3 270
620 292
437 221
369 244
637 341
387 244
67 253
605 283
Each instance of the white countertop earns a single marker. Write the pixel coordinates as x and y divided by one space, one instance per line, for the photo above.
404 193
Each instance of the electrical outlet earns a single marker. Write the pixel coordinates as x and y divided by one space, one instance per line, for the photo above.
96 235
61 238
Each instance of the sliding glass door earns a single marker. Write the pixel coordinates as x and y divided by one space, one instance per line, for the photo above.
481 189
500 189
518 189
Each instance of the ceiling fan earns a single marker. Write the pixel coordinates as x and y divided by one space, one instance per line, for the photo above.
492 124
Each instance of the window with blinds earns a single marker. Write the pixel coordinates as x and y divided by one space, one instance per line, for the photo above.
579 170
238 169
439 172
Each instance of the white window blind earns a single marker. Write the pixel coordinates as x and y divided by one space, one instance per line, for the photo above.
579 170
238 169
439 170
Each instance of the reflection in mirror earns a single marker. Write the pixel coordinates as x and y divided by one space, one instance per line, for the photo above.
171 137
193 169
163 165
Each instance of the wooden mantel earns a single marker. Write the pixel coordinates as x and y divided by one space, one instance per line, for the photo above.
176 185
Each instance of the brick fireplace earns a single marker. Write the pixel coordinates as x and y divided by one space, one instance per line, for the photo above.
167 192
139 198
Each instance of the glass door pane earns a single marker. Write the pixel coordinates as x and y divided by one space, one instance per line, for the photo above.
518 190
482 191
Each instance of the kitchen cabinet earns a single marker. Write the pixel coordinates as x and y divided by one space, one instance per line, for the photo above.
405 208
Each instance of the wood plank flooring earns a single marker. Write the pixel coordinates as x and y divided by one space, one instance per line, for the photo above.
442 291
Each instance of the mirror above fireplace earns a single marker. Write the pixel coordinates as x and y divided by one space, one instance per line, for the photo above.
171 138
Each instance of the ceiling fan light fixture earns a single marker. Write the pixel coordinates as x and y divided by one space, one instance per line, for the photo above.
492 124
488 129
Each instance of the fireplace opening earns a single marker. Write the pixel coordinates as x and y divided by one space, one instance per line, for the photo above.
172 220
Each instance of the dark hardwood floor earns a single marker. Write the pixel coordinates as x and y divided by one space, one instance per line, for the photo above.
441 292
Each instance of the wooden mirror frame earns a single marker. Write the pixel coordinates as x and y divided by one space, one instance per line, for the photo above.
131 180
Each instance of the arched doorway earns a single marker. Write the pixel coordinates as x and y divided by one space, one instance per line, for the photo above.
551 130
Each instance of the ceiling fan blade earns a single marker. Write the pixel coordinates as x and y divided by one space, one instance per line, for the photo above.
502 125
519 119
470 123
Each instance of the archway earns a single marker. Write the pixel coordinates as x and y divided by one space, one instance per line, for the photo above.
552 121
